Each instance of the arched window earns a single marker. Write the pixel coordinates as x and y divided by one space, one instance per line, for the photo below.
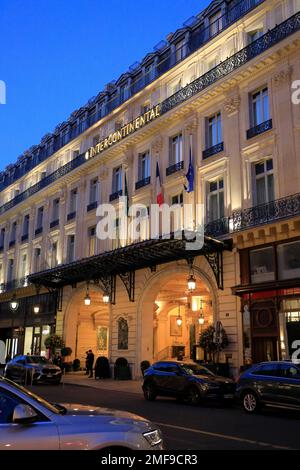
122 334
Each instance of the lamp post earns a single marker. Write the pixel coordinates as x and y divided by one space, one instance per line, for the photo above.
13 305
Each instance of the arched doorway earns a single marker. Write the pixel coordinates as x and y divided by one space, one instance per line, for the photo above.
169 313
87 326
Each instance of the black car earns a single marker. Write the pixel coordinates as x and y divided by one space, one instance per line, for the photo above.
270 383
32 369
186 381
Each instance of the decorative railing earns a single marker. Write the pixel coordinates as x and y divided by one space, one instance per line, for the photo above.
140 184
115 195
71 216
92 206
260 129
54 223
242 57
217 228
12 243
213 150
283 208
24 238
14 284
174 168
38 231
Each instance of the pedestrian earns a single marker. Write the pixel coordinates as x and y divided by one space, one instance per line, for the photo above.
90 363
87 363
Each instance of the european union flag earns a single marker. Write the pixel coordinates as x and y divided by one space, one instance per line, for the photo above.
190 176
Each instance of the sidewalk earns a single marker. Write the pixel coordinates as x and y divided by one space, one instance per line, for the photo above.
129 386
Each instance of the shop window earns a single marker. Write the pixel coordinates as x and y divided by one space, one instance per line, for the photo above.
289 260
262 265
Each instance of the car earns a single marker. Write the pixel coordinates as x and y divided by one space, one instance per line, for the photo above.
28 422
275 383
186 381
32 370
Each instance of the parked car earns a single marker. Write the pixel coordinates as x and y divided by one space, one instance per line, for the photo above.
32 369
186 381
28 422
271 384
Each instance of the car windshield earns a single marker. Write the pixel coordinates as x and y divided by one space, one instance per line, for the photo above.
194 369
33 396
37 360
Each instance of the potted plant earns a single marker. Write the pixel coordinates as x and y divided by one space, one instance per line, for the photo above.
67 365
76 365
213 340
53 342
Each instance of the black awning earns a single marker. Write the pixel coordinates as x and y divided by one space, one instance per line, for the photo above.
146 254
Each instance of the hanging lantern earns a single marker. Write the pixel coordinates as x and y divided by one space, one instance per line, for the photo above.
105 298
191 283
87 299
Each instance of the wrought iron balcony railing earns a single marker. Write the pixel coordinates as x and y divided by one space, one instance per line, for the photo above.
54 223
225 68
12 243
217 228
115 195
213 150
174 168
140 184
92 206
24 238
260 129
71 216
38 231
14 284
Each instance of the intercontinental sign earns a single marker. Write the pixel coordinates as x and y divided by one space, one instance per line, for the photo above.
125 131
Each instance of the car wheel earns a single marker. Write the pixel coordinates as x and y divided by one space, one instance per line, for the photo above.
250 402
193 396
149 392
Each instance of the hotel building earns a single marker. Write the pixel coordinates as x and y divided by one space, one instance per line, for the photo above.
220 86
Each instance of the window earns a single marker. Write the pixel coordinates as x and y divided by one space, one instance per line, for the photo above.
10 270
264 182
144 166
215 199
73 201
214 130
254 35
71 249
269 370
149 73
178 199
259 107
96 140
176 87
215 23
2 238
290 372
37 260
93 190
289 260
26 225
92 241
8 403
117 180
145 107
40 216
53 260
13 232
177 215
262 265
175 149
116 240
118 125
180 51
55 209
23 266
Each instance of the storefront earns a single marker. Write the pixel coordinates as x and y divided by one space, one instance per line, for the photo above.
24 330
270 292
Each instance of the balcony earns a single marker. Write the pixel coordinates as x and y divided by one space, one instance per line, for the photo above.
38 231
92 206
12 243
24 238
115 195
174 168
260 129
213 150
140 184
71 216
273 211
217 228
54 223
14 284
1 249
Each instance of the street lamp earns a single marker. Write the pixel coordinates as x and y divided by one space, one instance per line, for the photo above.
14 304
179 318
201 319
105 298
87 299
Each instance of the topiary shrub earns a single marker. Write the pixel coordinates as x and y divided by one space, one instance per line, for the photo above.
122 369
76 365
102 368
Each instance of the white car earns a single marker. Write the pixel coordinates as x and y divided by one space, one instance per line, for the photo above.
28 422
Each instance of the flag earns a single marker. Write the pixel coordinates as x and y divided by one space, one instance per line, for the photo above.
126 195
190 175
159 194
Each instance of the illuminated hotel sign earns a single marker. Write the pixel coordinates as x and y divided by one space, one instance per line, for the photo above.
125 131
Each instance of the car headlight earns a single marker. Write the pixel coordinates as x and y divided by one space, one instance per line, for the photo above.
153 437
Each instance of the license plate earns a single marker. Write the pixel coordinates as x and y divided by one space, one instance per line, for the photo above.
49 375
228 395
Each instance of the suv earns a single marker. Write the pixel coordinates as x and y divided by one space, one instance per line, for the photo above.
271 384
185 381
32 369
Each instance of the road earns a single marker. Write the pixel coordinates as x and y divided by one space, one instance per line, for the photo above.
210 427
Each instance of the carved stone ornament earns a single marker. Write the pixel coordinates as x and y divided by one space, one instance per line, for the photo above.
283 76
232 104
191 126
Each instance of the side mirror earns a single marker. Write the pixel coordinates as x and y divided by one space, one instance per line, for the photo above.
24 414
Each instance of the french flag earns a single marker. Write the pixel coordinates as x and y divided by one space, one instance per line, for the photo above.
159 194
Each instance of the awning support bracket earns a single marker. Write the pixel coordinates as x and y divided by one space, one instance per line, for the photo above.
215 261
128 280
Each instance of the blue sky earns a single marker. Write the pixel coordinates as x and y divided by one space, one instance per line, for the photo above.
56 54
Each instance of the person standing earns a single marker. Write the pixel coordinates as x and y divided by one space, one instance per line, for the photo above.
90 363
87 363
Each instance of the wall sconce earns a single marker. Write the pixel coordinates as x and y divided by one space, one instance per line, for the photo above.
14 304
105 298
87 299
36 309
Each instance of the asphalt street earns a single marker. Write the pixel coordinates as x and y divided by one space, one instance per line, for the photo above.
211 427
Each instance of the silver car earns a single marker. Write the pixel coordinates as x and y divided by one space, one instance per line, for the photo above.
32 369
28 422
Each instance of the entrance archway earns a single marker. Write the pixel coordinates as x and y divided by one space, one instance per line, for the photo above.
166 298
87 326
